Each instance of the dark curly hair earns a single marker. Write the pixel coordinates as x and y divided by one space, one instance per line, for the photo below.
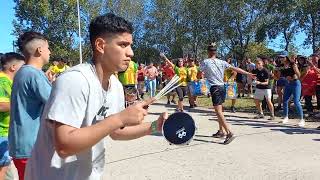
9 57
108 24
27 37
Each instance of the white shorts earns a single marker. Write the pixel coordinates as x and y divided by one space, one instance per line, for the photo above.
260 94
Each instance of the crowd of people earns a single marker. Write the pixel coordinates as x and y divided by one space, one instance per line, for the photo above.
289 79
47 119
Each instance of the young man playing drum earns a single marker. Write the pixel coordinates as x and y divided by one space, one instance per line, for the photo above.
213 69
70 144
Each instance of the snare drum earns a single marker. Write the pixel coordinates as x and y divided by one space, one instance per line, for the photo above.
179 128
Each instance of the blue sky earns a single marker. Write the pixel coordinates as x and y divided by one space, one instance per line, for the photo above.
6 26
6 29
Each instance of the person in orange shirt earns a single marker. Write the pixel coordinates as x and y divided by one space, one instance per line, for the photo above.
140 79
167 74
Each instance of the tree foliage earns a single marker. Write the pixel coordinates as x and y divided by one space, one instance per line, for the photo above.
58 21
177 27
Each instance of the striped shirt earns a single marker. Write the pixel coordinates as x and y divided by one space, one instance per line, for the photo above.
213 70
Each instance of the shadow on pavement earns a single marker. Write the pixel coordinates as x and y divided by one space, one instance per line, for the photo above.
206 141
248 121
159 152
207 136
298 130
272 125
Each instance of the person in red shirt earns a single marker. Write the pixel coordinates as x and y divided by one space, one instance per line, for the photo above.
315 64
141 79
308 82
167 74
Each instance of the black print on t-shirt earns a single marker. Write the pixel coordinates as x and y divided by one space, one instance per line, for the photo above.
102 114
103 111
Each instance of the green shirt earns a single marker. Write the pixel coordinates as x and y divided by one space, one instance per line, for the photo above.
5 93
271 69
129 76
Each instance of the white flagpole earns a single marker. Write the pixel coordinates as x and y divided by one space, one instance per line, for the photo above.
79 23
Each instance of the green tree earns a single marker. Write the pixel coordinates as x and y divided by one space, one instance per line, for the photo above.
256 49
200 25
284 20
309 21
59 22
164 27
239 21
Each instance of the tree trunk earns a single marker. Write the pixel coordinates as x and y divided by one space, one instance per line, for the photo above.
286 40
313 32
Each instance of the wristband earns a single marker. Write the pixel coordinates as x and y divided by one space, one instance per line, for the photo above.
154 127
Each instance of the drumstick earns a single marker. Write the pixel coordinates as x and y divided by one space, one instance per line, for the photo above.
172 82
168 88
168 91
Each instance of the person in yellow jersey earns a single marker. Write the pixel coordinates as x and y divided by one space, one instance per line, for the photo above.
58 66
231 86
130 75
10 63
182 72
128 78
48 73
192 77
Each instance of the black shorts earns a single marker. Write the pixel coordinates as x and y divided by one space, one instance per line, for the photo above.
218 94
239 78
181 91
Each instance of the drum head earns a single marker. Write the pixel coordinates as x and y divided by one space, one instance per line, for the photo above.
179 128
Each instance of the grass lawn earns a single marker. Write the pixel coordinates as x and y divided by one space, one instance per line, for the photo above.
241 104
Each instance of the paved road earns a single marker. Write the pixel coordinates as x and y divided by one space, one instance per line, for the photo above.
262 150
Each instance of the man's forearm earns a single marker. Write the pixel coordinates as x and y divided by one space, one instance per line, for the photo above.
4 106
263 83
70 140
132 132
238 70
316 69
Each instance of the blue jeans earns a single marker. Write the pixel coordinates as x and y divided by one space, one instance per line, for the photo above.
152 87
292 88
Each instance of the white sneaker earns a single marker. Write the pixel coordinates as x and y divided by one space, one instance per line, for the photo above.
301 123
285 120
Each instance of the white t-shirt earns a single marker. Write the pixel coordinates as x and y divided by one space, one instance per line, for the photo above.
78 100
213 70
